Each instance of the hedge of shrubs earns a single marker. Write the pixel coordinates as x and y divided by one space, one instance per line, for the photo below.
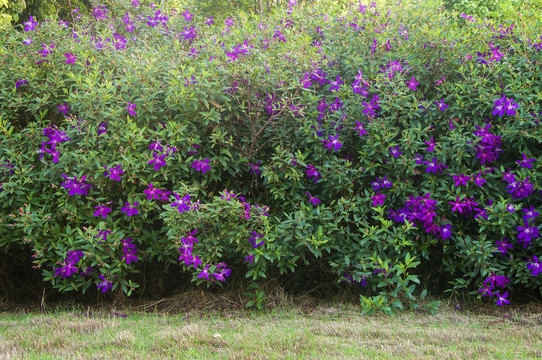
399 146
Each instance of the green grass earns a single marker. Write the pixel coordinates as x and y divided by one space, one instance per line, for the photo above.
325 333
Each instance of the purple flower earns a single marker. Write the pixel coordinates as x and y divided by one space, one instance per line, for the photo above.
359 127
201 165
501 300
255 168
181 204
102 211
332 142
158 161
66 270
458 204
312 199
129 250
204 273
530 213
335 83
152 193
378 199
394 151
412 84
430 145
254 238
312 173
526 234
70 58
188 16
525 162
102 128
445 232
441 105
209 21
30 24
130 209
221 272
461 179
503 246
114 173
76 187
105 284
250 258
228 22
478 180
131 109
74 256
28 41
63 109
370 107
47 49
535 266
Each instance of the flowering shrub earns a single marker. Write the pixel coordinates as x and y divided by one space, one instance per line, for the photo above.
397 153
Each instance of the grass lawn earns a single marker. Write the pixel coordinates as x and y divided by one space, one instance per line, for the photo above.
330 332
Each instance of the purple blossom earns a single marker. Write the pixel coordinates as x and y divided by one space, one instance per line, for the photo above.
254 239
445 232
70 58
503 246
370 107
129 250
394 151
250 258
312 199
458 205
501 300
105 284
63 109
478 180
255 168
131 109
76 187
359 127
530 213
412 84
102 128
526 234
47 49
461 179
66 270
152 193
535 266
525 162
158 161
30 25
378 199
102 211
312 173
28 41
332 142
202 166
130 209
181 204
441 105
204 273
430 145
114 173
335 83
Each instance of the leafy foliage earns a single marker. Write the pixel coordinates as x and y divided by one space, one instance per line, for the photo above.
394 152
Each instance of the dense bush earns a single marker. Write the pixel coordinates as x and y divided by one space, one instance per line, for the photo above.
397 152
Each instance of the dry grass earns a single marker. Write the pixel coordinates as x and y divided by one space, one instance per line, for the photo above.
327 332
